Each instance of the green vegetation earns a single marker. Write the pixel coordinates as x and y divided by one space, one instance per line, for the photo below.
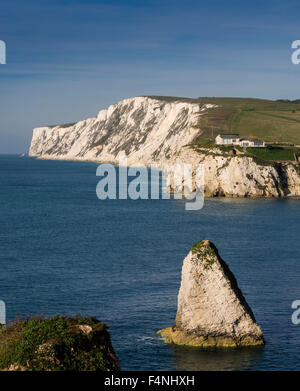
273 121
272 153
67 125
59 343
262 156
205 250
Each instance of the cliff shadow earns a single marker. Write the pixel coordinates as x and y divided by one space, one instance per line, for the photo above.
282 184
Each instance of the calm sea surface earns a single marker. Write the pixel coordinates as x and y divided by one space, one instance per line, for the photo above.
64 251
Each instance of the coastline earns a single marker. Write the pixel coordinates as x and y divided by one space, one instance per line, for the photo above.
89 239
151 132
114 163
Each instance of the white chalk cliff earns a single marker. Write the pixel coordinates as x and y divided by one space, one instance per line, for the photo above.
155 131
212 311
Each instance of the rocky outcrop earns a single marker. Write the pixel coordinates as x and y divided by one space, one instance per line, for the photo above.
212 311
57 344
242 176
157 132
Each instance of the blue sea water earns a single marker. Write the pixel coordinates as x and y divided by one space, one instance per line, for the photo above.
62 250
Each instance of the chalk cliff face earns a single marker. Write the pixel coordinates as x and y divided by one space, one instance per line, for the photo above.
241 176
150 131
212 311
144 129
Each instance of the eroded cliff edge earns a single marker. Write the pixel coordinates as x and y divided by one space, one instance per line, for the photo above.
212 311
152 131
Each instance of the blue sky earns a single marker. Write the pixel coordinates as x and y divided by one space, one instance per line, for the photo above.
68 59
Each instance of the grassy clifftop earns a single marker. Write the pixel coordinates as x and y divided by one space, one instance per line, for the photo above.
57 344
273 121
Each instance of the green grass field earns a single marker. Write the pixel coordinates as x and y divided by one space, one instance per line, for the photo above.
272 121
272 153
275 122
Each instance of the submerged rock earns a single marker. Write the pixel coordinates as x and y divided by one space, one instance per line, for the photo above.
212 311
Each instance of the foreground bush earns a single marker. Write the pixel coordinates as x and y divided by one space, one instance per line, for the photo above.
57 344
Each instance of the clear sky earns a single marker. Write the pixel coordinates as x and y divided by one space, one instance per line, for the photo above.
66 59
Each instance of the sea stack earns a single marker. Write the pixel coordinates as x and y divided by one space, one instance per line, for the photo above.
212 311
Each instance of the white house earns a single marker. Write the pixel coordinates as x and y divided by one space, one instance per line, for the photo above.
227 139
252 142
234 139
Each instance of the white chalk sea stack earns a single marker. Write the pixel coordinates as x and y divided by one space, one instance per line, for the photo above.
212 311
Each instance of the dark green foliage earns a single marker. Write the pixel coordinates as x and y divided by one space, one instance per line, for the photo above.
57 343
272 153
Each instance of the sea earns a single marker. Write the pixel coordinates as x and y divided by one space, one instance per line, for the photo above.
65 251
